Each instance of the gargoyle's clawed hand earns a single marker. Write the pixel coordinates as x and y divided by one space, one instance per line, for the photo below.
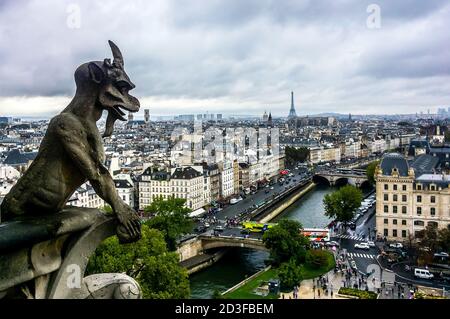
129 229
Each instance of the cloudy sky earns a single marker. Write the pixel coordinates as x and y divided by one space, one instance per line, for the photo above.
232 56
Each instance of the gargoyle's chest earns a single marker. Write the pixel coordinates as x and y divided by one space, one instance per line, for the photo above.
96 147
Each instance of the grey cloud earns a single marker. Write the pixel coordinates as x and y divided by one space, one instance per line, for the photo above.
252 52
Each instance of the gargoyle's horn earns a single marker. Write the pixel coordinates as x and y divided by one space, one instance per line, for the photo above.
118 59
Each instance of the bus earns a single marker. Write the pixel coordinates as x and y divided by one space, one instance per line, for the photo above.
316 234
257 227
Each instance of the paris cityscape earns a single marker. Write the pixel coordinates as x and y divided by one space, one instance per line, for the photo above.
234 170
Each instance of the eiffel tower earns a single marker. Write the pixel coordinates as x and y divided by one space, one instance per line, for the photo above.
292 113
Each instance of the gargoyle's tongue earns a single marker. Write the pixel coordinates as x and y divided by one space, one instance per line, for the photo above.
109 125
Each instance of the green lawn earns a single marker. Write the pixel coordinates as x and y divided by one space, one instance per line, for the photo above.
246 291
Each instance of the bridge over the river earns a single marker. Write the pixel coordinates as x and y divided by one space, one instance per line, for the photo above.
355 177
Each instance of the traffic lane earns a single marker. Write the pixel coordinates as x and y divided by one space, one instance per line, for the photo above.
362 257
260 196
349 246
408 276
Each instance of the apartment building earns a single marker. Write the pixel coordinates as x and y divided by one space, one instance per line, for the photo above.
181 182
226 179
409 200
324 154
125 190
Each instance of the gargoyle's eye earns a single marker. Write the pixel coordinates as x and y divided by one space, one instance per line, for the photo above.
123 86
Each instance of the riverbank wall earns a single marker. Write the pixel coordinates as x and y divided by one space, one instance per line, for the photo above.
285 204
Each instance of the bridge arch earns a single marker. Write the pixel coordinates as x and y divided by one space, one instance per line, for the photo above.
318 179
365 184
215 242
341 181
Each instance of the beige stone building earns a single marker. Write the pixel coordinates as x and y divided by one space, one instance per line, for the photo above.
408 200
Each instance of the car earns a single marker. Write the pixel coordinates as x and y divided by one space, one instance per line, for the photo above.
219 228
200 229
207 224
267 191
371 243
352 226
362 246
353 264
396 245
272 188
332 243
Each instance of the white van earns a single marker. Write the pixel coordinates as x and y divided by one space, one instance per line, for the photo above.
422 273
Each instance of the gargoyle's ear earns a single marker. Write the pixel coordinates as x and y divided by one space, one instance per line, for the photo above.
96 73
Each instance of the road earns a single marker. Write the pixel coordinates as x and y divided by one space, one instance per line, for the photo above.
362 257
247 204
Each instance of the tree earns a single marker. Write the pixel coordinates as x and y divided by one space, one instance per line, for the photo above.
285 242
370 171
290 274
444 239
294 155
429 239
342 204
317 258
171 217
148 261
447 136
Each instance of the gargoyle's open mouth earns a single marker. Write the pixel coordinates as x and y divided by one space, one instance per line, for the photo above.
118 113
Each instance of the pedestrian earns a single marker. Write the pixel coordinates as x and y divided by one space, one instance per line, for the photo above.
318 292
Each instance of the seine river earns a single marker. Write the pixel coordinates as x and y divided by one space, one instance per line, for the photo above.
237 264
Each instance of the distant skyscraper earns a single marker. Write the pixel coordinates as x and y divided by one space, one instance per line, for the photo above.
269 120
292 113
147 115
265 117
219 117
199 117
130 117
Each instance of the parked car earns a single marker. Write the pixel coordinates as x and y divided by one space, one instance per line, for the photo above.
235 200
353 264
362 246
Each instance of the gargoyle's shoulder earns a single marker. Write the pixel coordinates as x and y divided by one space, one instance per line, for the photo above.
65 122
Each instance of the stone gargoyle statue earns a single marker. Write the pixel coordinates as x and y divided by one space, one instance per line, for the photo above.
71 152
